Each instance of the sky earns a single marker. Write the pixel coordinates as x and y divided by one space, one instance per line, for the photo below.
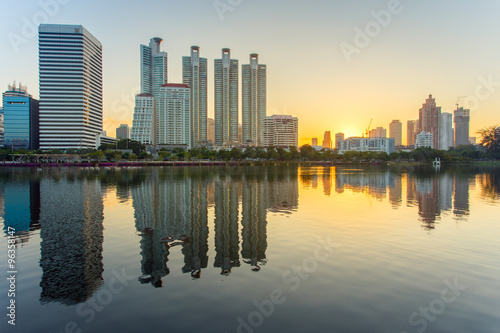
334 64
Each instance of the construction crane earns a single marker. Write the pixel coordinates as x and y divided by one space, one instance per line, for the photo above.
367 134
458 100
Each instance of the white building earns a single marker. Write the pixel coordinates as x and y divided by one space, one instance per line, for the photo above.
70 67
174 115
424 139
154 69
226 99
368 145
446 131
254 103
194 74
281 131
144 122
396 132
101 138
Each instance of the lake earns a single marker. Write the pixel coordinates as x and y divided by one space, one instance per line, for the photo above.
251 249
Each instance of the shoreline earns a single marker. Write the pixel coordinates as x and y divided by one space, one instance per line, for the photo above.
228 163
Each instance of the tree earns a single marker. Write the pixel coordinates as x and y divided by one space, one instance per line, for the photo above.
490 140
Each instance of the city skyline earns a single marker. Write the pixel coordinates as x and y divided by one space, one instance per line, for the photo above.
373 73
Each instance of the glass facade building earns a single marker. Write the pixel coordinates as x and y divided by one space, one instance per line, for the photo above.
21 118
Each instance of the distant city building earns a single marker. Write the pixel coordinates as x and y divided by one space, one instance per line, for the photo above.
20 119
144 121
472 140
339 138
281 131
174 115
396 132
424 139
210 130
368 145
411 132
254 101
314 142
123 132
194 74
430 121
327 140
462 121
378 132
446 131
226 99
70 67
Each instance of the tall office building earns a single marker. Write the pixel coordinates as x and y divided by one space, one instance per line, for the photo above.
396 132
70 67
462 121
411 132
144 121
327 140
153 67
174 115
281 131
339 138
154 70
378 132
254 103
194 74
430 121
123 132
314 142
446 131
226 99
20 119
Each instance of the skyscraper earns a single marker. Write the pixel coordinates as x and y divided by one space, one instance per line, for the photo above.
411 132
446 131
327 140
254 103
396 132
154 72
462 121
153 67
194 74
70 67
430 121
20 119
314 142
281 131
226 99
210 130
174 115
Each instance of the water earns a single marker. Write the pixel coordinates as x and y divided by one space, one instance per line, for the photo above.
256 249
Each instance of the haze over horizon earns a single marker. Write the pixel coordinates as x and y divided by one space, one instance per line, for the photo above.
423 47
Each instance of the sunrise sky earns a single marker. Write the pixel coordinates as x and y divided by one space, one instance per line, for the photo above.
447 48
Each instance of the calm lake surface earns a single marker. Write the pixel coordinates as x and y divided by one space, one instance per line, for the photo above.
253 249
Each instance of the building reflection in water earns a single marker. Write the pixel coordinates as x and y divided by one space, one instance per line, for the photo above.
171 209
71 217
433 194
